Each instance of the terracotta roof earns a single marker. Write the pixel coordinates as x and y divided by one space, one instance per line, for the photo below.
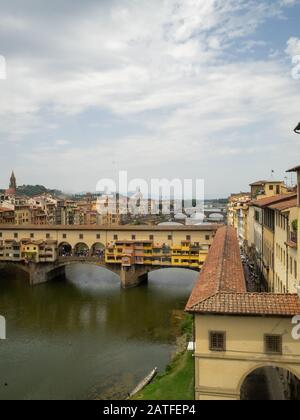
265 202
296 169
3 210
285 205
258 183
291 244
221 287
252 304
131 228
222 271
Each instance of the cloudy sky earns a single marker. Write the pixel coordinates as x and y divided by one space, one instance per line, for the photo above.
163 88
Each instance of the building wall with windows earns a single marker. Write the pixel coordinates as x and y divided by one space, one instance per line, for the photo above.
286 264
185 254
237 332
90 235
220 374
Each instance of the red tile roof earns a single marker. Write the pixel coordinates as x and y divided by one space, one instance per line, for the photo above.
221 287
3 209
265 202
296 169
263 182
258 183
292 244
222 271
285 205
252 304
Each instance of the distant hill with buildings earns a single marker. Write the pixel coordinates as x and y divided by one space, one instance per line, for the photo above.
33 190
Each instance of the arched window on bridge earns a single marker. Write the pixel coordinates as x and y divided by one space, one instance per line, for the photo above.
81 250
97 250
65 250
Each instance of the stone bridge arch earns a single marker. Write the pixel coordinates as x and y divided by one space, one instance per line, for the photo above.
129 276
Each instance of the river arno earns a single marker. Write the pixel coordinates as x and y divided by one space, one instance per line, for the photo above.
84 337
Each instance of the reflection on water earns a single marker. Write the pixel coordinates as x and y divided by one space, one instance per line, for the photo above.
85 337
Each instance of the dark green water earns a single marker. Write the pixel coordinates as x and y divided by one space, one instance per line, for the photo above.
84 337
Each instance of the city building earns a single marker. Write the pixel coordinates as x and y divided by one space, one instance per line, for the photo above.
265 235
185 253
239 333
7 216
263 189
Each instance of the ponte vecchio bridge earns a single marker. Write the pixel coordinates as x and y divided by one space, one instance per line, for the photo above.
129 251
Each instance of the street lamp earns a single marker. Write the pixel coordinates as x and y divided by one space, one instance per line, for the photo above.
297 129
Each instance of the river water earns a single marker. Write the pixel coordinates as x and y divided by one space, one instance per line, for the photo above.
84 337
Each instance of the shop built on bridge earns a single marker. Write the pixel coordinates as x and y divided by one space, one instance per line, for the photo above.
129 251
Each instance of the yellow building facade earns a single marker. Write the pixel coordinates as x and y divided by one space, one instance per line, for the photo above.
179 246
186 254
238 333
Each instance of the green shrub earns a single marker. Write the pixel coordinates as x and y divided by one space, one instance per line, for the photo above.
295 225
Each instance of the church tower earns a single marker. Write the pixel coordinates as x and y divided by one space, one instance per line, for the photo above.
12 184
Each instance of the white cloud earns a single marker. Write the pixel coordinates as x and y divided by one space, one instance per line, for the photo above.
293 47
165 64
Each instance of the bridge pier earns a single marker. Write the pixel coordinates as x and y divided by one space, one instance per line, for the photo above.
133 276
42 273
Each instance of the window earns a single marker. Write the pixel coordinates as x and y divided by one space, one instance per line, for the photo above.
47 235
32 235
133 237
188 238
15 235
64 236
217 341
151 237
115 237
277 189
81 236
271 187
98 236
170 237
273 344
207 237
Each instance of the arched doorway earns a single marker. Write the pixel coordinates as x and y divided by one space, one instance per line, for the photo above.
81 250
270 383
98 250
65 250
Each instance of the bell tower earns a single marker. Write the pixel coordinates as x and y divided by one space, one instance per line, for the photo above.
13 184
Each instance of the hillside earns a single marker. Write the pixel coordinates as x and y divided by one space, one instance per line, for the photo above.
32 190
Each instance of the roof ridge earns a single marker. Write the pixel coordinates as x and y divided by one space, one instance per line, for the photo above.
221 268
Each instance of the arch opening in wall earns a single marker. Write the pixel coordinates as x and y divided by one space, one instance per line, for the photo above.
173 279
97 250
81 250
65 250
270 383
